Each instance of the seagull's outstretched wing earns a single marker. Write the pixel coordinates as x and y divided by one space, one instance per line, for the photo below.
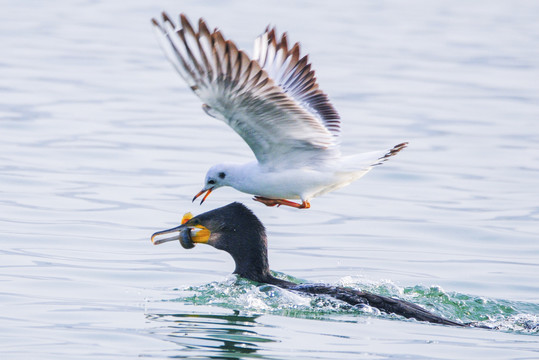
295 76
284 125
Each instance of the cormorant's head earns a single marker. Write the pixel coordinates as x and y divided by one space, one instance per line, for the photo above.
217 176
232 228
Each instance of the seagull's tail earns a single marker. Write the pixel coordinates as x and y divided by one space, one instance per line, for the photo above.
392 152
360 164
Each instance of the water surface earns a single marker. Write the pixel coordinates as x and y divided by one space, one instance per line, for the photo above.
101 144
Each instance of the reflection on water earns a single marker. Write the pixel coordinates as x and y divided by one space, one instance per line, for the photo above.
217 334
239 332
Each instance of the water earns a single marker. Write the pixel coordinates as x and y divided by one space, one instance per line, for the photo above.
101 144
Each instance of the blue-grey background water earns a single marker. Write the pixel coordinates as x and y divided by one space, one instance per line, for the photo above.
101 144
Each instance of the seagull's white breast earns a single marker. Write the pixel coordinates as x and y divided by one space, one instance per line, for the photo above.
300 183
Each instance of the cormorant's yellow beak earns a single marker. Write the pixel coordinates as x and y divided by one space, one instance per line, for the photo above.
207 191
186 234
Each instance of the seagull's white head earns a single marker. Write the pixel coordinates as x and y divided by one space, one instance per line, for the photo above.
217 176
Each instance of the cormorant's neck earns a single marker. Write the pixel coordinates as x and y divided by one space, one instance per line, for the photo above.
241 234
252 263
259 271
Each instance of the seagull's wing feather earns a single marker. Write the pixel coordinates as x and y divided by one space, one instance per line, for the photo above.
294 75
277 127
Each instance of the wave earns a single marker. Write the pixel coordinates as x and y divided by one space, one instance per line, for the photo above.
240 294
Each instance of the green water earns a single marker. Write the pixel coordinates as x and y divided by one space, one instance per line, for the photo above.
246 296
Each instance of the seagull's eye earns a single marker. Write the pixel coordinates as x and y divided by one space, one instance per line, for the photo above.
222 175
211 182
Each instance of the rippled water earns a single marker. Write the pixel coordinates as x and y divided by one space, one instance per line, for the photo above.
102 144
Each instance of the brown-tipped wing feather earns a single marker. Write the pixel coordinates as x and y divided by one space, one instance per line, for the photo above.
274 120
295 76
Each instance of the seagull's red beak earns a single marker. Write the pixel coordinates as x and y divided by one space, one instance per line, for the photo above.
207 191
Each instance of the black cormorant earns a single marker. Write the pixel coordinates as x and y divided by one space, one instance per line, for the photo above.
236 230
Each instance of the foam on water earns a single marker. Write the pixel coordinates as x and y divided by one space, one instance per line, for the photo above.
247 296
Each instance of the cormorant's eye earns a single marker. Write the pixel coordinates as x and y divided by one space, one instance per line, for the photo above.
222 175
211 182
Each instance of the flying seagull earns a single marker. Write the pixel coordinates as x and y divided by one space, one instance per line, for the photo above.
274 103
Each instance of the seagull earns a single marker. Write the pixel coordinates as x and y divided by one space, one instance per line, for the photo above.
274 103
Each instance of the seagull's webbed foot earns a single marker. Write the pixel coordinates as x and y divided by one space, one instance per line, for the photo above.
278 202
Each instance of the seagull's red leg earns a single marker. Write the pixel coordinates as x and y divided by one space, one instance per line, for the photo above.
279 202
266 201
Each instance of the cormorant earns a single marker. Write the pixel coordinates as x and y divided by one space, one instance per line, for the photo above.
236 230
